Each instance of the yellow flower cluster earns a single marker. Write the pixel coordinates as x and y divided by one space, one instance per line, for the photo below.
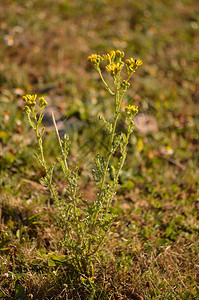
42 102
95 59
138 62
109 56
131 110
113 56
113 68
30 99
114 62
133 64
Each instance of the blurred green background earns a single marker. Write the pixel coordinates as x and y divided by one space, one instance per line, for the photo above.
43 50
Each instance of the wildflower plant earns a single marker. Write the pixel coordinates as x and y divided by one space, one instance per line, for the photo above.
85 226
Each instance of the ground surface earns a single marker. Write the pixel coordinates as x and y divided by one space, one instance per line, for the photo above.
152 249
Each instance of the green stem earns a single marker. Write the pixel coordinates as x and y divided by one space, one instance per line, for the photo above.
119 167
60 143
100 243
116 115
106 85
40 144
72 196
123 157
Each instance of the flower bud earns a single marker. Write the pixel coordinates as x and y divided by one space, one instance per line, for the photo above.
119 55
131 110
42 102
128 62
27 109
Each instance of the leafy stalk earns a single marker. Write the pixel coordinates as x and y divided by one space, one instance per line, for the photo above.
85 227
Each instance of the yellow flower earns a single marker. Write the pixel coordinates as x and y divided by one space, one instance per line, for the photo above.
112 55
113 68
107 57
95 58
131 110
110 68
119 55
128 62
30 99
138 62
133 64
42 102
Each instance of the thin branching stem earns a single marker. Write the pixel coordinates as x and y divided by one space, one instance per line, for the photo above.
84 226
60 142
106 85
